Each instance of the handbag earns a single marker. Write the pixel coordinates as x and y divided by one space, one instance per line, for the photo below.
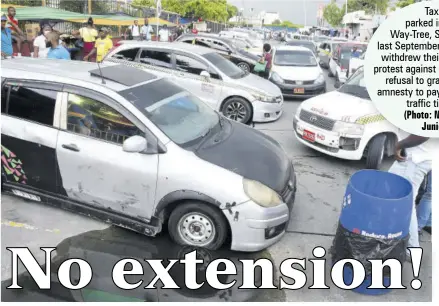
260 67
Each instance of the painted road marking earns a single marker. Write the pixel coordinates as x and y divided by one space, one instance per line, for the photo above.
27 226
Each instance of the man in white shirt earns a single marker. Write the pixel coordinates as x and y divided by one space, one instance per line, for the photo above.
146 30
414 156
164 33
41 44
135 30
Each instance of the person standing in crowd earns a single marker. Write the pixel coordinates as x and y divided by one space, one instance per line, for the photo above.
7 48
424 208
88 35
146 30
56 51
413 162
41 43
267 58
17 35
164 33
133 31
102 47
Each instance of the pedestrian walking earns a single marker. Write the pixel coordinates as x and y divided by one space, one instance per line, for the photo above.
56 50
102 46
413 161
424 208
146 30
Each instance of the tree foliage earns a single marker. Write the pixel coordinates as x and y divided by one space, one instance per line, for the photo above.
277 22
369 6
215 10
404 3
333 14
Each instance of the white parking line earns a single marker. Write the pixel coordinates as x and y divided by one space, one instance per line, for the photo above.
27 226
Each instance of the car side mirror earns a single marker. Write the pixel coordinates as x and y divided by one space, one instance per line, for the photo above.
135 144
205 74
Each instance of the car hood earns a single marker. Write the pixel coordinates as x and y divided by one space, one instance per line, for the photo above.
298 73
250 154
247 54
259 84
339 106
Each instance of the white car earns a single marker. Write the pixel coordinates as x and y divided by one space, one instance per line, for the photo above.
339 61
239 95
296 71
346 124
129 148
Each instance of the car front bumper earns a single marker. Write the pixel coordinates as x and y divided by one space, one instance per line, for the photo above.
309 90
266 111
328 142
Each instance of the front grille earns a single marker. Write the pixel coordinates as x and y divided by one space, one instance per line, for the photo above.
291 82
317 120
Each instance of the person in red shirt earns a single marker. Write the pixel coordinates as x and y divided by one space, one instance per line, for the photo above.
17 37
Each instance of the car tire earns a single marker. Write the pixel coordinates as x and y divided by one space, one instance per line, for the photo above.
244 66
235 106
375 152
207 230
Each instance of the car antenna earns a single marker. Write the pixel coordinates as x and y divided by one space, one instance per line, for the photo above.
100 72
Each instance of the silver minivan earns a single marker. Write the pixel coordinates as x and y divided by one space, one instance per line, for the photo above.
129 148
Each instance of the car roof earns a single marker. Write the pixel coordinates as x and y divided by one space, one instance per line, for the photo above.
115 75
168 45
221 38
293 48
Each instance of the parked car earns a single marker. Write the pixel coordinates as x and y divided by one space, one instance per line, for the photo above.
345 124
126 147
325 50
339 62
304 43
239 95
229 50
295 70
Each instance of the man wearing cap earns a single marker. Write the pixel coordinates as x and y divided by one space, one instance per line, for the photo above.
7 49
102 46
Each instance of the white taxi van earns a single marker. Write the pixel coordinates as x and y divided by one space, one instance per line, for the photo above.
345 124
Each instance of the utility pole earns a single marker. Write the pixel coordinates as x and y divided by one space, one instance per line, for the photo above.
89 7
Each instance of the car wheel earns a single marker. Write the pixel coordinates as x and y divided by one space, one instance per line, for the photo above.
244 66
238 109
375 152
199 225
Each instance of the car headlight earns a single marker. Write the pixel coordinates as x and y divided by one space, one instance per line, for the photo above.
264 98
261 194
320 79
348 128
276 78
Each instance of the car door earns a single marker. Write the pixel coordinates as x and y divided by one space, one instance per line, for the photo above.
188 69
94 167
333 63
28 151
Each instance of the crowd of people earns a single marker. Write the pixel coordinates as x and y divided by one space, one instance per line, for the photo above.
90 43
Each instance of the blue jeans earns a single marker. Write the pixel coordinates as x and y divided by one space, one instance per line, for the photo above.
424 207
415 174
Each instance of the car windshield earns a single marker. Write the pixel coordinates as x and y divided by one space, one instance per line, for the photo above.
294 58
181 116
225 66
355 85
303 43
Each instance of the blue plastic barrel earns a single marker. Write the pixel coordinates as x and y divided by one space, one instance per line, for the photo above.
376 204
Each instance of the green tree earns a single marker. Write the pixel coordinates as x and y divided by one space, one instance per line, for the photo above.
404 3
289 24
333 14
369 6
277 22
232 10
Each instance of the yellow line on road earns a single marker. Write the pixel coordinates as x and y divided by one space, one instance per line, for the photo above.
27 226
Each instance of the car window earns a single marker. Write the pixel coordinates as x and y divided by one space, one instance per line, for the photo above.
220 46
128 54
294 58
190 65
5 92
156 58
37 105
93 118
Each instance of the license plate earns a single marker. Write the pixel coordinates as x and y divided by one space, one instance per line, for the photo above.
299 90
310 136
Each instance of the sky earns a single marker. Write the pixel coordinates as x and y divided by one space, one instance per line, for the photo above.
292 10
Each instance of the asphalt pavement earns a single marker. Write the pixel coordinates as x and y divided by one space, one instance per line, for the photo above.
321 184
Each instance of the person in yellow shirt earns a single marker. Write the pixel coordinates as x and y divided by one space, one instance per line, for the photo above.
88 36
102 46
